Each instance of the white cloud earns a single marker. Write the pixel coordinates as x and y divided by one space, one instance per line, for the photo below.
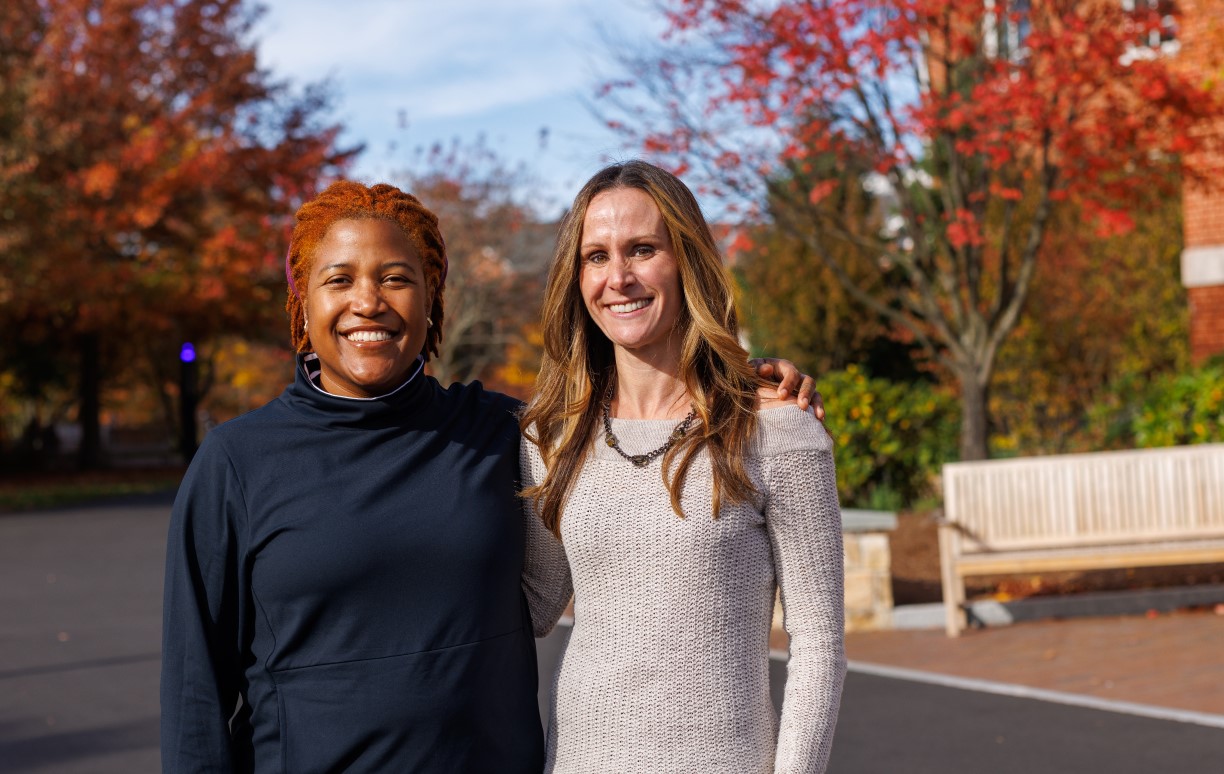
435 59
505 69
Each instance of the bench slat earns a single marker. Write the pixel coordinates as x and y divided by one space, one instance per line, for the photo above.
1147 555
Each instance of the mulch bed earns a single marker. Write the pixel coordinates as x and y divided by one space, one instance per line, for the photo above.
915 572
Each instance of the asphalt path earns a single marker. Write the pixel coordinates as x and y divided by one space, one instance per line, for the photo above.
80 638
80 623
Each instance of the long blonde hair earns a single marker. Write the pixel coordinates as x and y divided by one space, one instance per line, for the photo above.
578 365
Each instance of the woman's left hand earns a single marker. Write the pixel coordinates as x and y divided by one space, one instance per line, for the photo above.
788 376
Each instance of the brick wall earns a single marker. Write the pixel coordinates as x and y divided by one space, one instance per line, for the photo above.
1206 321
1204 218
1203 210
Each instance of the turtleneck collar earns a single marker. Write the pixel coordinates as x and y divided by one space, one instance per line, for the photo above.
399 407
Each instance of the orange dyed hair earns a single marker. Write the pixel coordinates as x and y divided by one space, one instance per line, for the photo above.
348 200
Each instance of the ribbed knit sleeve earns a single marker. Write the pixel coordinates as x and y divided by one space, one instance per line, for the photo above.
546 573
803 520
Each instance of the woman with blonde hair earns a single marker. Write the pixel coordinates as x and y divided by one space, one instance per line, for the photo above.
682 500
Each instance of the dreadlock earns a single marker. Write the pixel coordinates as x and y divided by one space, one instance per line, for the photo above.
348 200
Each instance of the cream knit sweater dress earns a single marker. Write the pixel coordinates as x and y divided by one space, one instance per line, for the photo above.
667 667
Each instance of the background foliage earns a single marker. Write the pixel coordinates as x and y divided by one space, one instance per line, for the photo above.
890 437
977 128
149 170
1173 409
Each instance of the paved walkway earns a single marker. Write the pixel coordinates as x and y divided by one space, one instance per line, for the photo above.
80 635
80 599
1174 661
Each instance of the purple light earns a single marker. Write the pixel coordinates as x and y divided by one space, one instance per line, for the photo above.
187 353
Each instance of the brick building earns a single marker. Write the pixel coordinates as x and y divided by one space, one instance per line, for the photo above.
1203 210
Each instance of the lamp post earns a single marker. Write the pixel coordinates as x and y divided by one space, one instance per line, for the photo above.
189 398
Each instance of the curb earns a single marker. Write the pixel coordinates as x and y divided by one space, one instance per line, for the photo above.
1101 603
1040 694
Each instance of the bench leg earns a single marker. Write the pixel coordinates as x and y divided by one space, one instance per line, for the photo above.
953 584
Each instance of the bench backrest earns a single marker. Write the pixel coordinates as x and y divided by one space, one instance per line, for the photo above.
1087 499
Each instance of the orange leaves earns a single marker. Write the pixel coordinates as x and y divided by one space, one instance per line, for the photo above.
100 179
741 242
167 162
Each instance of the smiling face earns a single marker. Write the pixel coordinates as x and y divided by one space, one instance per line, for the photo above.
366 306
630 280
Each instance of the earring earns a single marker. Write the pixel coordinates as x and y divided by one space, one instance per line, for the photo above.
305 322
428 323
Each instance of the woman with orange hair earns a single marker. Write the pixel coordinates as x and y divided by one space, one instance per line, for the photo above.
346 560
345 581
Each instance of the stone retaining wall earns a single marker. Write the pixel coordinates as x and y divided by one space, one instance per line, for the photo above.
868 578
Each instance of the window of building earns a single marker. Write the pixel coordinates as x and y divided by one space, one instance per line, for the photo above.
1158 37
1005 28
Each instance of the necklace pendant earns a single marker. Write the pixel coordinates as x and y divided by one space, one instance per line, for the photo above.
610 439
639 460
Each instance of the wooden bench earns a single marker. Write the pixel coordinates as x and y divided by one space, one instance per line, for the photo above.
1079 512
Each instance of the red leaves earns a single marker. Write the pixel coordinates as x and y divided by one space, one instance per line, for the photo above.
655 144
822 190
963 230
1006 193
728 160
741 243
1108 221
796 61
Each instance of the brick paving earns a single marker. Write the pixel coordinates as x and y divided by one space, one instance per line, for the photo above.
1174 660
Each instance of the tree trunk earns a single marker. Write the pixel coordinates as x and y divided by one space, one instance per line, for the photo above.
975 416
90 454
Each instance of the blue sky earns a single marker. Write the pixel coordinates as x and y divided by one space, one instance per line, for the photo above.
504 68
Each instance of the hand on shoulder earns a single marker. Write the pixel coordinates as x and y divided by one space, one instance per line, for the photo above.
767 399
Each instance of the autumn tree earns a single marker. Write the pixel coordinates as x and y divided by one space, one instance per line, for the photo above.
1112 318
498 251
794 306
148 172
980 119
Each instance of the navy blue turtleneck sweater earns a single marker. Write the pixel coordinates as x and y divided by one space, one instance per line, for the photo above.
350 571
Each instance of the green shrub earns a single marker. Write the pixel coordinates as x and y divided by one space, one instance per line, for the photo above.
1183 409
1171 410
890 437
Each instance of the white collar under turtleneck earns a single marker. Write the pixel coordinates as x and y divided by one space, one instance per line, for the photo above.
310 367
